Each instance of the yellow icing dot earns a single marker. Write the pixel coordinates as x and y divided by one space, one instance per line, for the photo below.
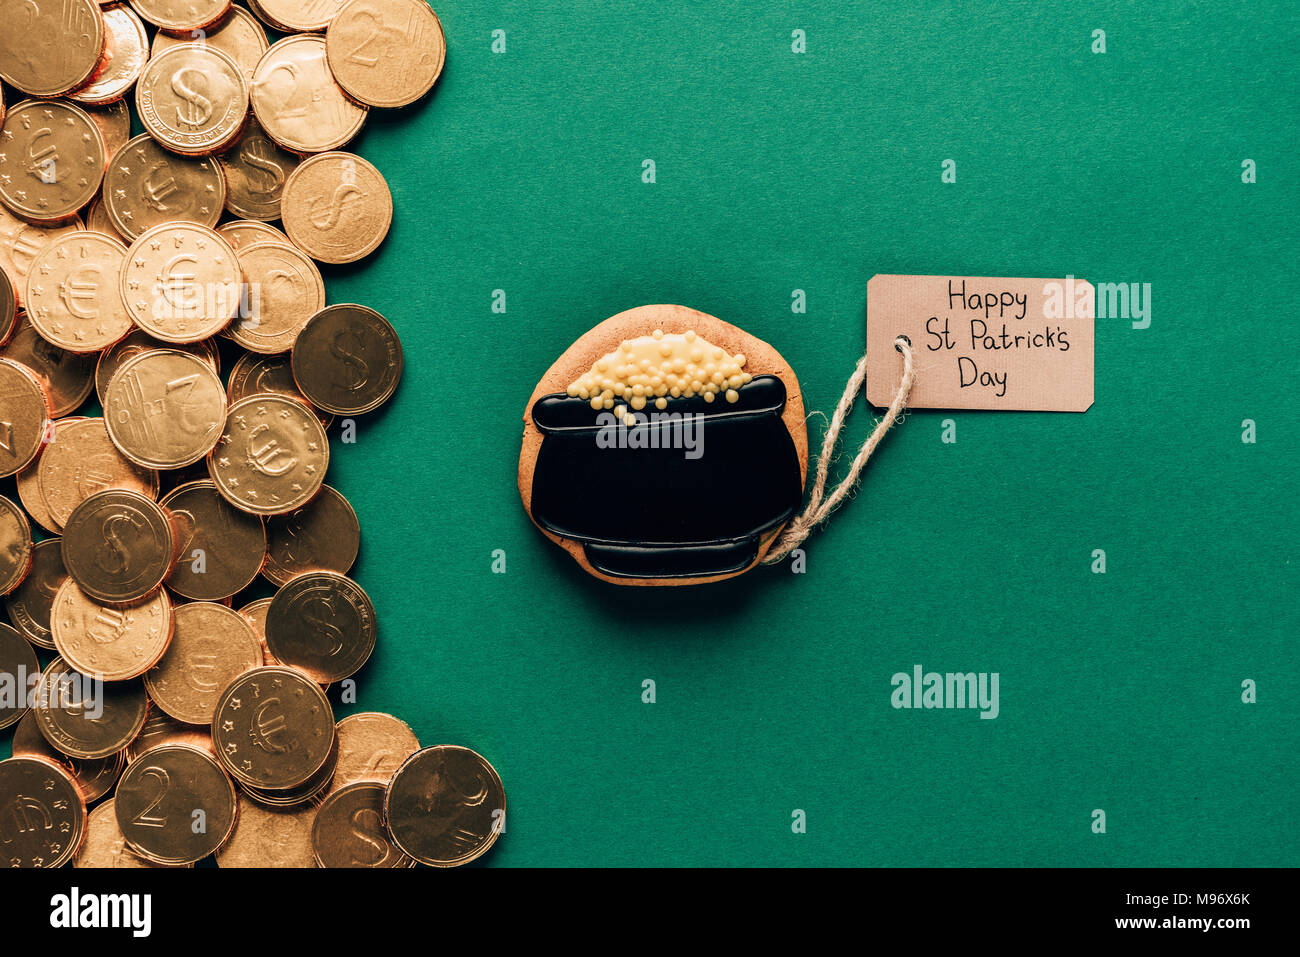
661 403
733 395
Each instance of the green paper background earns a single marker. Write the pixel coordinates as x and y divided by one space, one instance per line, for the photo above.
775 172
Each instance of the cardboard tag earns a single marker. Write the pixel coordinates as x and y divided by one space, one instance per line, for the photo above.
983 343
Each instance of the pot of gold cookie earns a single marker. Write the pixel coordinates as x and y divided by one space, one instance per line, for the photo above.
664 447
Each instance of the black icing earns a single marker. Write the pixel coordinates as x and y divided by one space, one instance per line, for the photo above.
656 512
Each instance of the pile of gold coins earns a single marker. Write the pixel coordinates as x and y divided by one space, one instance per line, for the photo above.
192 725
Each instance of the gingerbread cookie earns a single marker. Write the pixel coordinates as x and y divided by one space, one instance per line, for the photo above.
664 447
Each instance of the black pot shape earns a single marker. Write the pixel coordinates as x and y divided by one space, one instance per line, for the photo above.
685 493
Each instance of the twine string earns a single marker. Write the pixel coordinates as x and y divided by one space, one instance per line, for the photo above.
820 504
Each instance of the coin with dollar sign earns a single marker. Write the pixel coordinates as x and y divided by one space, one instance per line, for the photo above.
347 359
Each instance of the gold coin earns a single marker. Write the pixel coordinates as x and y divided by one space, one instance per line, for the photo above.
323 535
252 374
347 359
193 99
337 207
19 672
49 48
386 52
239 35
161 728
181 282
85 717
114 122
165 408
67 376
29 604
94 777
272 456
98 221
139 341
15 546
310 791
24 414
255 613
245 232
118 546
19 244
159 799
72 298
115 642
268 837
349 830
296 16
179 16
126 50
445 806
29 494
105 847
146 186
211 646
285 289
52 161
83 460
256 170
372 746
323 624
8 308
273 728
222 548
297 101
44 813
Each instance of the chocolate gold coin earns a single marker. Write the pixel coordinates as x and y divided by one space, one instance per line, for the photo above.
211 646
322 535
310 791
118 546
83 460
19 243
296 16
323 624
52 162
146 186
67 376
126 50
24 413
72 292
85 717
270 837
245 232
30 603
94 777
349 830
285 290
192 98
253 374
43 813
273 728
296 100
222 548
161 728
386 53
110 360
113 642
445 806
239 35
256 170
347 359
104 846
49 48
15 546
165 408
181 282
19 672
180 16
8 307
372 746
29 492
337 207
272 456
160 797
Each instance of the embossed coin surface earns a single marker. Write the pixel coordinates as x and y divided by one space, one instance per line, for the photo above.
139 341
15 546
97 221
297 101
322 623
349 830
386 52
178 16
161 728
118 545
126 50
72 298
49 48
221 547
104 845
323 535
270 837
52 162
273 728
115 642
66 376
158 797
95 777
297 16
82 461
445 806
145 185
19 243
8 307
181 282
347 359
85 717
239 35
211 646
29 604
272 456
285 289
165 408
252 374
256 170
19 671
193 99
24 411
114 122
372 746
245 232
337 207
44 814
